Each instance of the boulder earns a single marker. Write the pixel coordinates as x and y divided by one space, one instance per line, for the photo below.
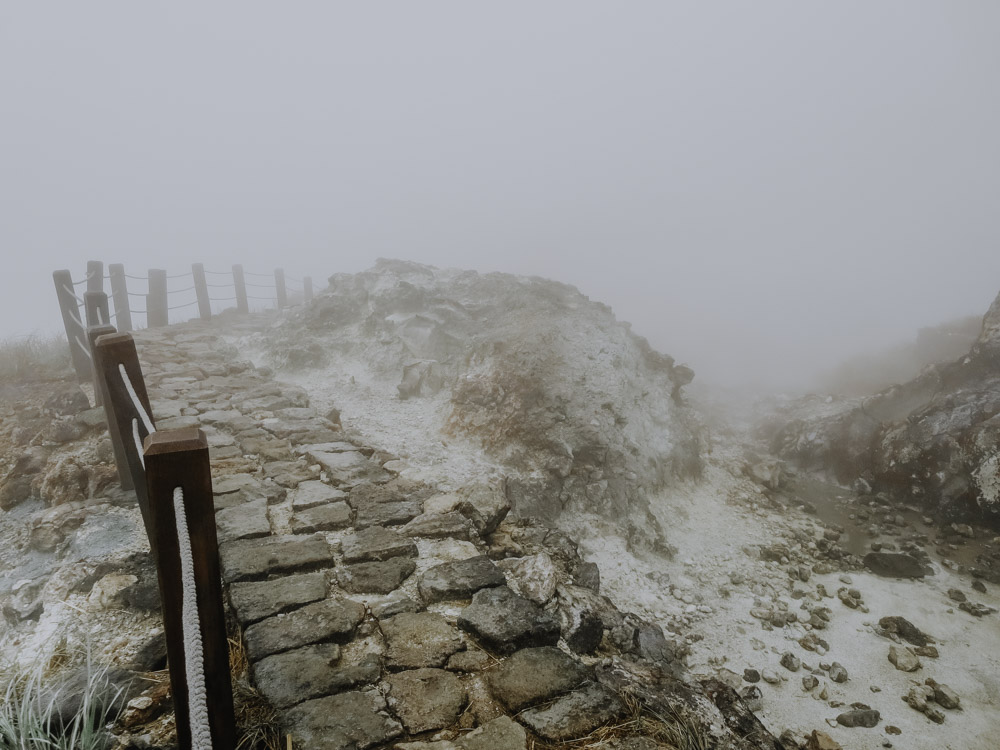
505 622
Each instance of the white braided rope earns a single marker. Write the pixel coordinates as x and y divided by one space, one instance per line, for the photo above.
135 400
138 442
75 316
194 655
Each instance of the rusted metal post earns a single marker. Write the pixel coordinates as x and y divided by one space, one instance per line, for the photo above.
156 299
126 405
279 288
75 331
119 294
201 290
96 306
240 283
179 487
95 276
307 289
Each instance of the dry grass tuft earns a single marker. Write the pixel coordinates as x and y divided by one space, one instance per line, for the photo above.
256 719
674 732
33 358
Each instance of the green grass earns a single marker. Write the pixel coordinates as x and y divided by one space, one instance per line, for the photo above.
34 357
27 712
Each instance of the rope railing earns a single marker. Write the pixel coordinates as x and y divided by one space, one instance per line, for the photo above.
194 654
170 471
81 313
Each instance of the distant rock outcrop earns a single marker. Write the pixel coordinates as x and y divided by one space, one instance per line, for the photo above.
931 442
583 411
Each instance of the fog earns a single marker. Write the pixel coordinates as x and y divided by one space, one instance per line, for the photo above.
763 190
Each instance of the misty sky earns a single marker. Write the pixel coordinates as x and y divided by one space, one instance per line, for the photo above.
761 188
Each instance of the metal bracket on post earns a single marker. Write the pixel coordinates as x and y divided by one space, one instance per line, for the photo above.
179 487
126 404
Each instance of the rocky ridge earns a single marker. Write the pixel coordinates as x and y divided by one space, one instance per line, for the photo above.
578 412
928 443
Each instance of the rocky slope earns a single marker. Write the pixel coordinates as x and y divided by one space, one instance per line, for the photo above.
375 610
931 442
580 413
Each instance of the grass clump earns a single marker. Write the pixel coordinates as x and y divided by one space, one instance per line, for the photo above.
33 357
673 732
29 712
256 720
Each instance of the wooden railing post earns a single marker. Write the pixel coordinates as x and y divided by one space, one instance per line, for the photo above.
129 417
95 276
75 331
201 290
279 288
239 282
179 487
96 306
119 294
156 299
92 333
307 289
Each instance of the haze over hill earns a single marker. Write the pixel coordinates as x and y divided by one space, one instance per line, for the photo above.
732 169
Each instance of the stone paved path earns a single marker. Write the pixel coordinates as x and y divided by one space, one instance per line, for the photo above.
376 610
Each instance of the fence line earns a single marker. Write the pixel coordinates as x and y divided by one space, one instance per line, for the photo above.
159 299
171 474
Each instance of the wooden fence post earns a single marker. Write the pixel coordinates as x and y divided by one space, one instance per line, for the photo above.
201 290
119 293
239 282
179 487
279 288
307 289
129 417
75 331
156 299
95 276
92 333
96 306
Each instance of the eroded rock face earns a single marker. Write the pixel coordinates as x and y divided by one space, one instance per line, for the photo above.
549 381
930 441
